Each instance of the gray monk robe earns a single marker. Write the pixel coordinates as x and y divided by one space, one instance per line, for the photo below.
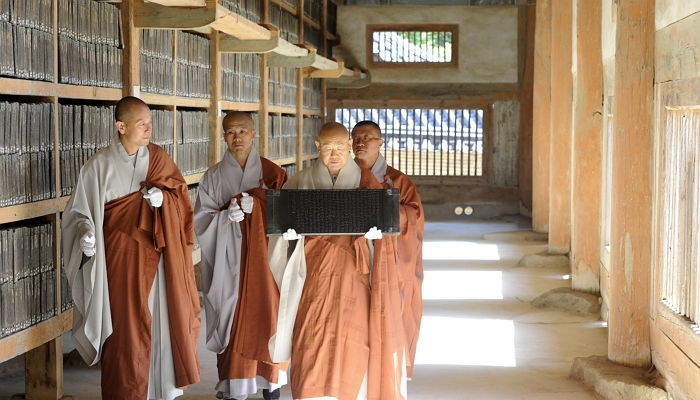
123 315
240 294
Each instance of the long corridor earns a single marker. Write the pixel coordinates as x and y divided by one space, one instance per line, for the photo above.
480 338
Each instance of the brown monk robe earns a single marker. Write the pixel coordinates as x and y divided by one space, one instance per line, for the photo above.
135 238
347 339
367 142
241 297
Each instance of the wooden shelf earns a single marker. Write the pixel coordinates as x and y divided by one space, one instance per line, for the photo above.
165 100
285 6
282 110
238 106
285 161
190 179
24 87
213 15
32 210
34 336
308 157
308 112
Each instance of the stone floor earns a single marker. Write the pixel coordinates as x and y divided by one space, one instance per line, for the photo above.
480 337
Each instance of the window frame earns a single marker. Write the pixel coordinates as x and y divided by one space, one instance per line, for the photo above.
487 126
452 28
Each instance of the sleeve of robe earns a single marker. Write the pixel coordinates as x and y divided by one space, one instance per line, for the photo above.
92 321
220 243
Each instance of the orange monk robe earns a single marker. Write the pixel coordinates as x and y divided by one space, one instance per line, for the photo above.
410 259
347 336
409 248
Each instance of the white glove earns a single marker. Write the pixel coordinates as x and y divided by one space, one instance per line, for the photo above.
87 244
291 234
373 233
234 211
246 203
154 197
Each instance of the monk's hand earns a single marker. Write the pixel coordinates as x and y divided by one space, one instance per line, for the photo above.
154 197
235 214
291 234
87 243
246 203
373 233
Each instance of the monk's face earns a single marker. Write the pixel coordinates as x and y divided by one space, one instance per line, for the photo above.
334 149
366 142
135 131
239 135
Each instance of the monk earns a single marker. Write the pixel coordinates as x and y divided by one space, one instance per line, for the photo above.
366 142
241 297
127 245
340 319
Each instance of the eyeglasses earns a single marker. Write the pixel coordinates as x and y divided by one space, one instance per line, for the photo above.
364 139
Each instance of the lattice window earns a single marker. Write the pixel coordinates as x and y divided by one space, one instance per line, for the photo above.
680 233
429 142
412 45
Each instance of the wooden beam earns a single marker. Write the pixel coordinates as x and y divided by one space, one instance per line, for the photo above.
214 15
312 72
427 91
152 15
357 80
306 60
230 44
179 3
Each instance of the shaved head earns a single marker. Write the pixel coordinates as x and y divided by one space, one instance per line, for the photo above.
238 116
334 146
127 106
333 129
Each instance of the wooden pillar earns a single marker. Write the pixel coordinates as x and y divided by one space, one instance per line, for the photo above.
560 133
630 241
541 101
44 371
214 114
587 141
131 76
526 17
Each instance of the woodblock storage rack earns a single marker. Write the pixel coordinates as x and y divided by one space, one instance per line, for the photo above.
228 32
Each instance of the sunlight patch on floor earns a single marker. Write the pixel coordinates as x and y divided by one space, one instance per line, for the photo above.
463 285
446 250
465 341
